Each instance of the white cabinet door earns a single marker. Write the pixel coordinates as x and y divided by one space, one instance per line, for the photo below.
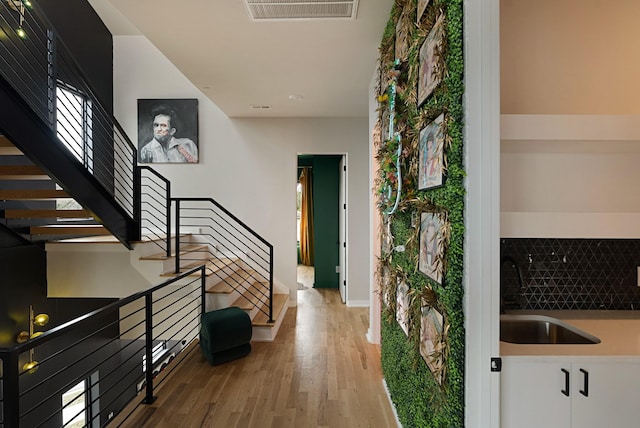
605 394
531 392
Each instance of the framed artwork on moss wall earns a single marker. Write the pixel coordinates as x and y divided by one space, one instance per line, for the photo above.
429 61
431 155
432 340
431 260
402 306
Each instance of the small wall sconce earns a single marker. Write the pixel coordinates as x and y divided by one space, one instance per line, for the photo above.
39 320
20 6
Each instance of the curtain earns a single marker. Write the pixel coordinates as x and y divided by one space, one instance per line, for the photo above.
306 219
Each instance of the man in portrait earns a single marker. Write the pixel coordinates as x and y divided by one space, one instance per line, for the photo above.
165 146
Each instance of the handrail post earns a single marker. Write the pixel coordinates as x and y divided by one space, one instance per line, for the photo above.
137 198
177 220
148 310
11 390
271 285
203 284
168 219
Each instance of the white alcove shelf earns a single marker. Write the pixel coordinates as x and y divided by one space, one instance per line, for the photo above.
570 176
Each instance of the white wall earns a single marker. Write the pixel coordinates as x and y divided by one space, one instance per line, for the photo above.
249 165
570 57
92 270
570 176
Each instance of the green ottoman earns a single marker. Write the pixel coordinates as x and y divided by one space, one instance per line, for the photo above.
225 335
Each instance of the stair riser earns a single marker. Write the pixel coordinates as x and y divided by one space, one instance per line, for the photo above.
169 265
268 334
217 301
145 249
220 275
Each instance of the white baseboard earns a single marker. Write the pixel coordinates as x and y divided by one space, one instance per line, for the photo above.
357 303
395 414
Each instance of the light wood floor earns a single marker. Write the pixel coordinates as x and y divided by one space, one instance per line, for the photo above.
320 372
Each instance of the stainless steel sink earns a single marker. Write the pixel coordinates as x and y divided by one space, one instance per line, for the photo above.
541 329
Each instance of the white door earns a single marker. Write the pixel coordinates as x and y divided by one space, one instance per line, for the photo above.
606 394
343 229
536 392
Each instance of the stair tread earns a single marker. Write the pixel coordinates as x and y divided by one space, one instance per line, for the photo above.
157 238
7 148
212 266
33 194
79 229
22 172
280 301
247 300
226 286
184 250
47 214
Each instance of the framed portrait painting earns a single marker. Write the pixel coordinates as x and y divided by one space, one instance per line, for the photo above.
431 155
402 306
168 131
432 340
429 72
431 260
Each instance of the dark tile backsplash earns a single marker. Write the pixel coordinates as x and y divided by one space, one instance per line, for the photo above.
571 273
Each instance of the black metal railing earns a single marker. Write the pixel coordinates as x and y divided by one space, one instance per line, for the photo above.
120 353
155 208
236 254
40 67
198 230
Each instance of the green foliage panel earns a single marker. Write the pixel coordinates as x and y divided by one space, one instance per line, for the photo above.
420 400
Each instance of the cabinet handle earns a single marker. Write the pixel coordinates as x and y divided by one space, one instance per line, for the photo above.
565 391
585 390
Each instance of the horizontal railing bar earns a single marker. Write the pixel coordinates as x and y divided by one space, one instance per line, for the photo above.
158 300
153 197
61 351
154 172
172 325
226 237
24 393
232 251
169 306
57 331
227 212
215 221
57 353
175 366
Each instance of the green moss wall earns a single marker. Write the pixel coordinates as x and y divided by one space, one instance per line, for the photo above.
425 395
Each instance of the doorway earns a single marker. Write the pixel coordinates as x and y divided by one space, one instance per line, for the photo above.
321 222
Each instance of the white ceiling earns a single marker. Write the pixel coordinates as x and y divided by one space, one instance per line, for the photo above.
238 62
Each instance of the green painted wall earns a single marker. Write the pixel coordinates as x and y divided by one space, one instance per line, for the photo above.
326 211
326 188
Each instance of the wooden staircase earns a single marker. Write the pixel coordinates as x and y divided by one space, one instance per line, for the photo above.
29 201
29 206
228 283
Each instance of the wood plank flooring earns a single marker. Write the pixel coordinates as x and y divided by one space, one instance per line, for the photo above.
320 372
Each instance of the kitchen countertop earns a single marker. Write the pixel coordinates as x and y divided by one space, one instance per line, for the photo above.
618 331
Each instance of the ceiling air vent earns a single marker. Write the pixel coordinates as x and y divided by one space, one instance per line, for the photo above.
273 10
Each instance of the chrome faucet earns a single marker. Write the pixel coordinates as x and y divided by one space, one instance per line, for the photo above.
520 280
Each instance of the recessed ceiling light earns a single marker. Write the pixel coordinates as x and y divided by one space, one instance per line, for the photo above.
296 97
